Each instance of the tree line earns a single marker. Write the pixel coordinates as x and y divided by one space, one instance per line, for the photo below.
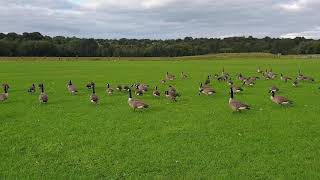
36 44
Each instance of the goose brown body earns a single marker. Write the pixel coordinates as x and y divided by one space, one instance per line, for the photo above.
236 105
43 97
136 104
279 99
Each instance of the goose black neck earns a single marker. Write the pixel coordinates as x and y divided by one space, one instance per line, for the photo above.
272 93
130 95
42 88
231 93
108 85
5 89
70 83
93 89
156 87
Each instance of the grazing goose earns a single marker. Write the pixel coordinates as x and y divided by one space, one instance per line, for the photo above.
136 104
274 88
90 85
32 89
206 90
285 78
71 88
109 90
142 87
94 98
173 90
43 97
183 76
253 78
156 93
236 105
279 99
170 77
4 96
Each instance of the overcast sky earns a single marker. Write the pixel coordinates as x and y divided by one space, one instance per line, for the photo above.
162 19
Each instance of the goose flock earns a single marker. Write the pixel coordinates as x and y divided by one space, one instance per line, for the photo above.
205 88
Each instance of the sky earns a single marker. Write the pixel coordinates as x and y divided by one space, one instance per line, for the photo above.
162 19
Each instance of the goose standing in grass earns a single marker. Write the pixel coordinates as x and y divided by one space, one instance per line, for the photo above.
206 90
249 82
125 88
285 78
183 76
4 96
241 78
109 90
279 99
32 89
170 77
72 88
138 91
136 104
236 105
94 98
171 95
43 97
156 93
236 89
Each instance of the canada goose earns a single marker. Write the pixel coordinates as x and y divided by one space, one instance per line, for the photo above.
90 85
170 77
4 96
43 97
254 78
94 98
241 78
274 88
305 78
156 93
32 89
136 104
109 90
142 87
236 89
173 91
236 105
285 78
206 90
71 88
183 76
171 95
279 99
138 91
248 82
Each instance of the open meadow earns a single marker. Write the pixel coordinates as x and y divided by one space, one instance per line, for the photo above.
195 137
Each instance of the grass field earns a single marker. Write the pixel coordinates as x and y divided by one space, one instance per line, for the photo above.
196 137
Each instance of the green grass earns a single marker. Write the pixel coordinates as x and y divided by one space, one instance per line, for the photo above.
196 137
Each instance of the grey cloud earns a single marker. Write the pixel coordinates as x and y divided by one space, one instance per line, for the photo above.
168 19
